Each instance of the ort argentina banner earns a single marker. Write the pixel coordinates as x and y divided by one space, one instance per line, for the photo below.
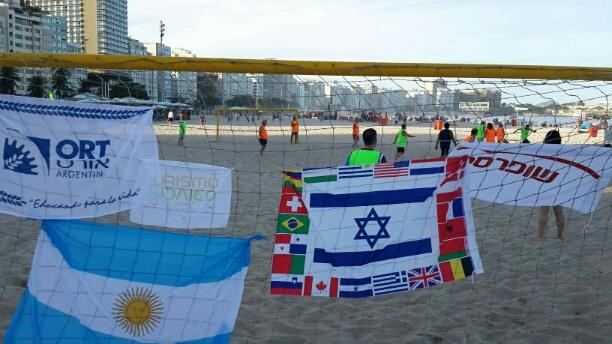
361 231
94 283
572 176
66 160
186 195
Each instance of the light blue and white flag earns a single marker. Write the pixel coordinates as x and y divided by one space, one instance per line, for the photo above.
94 283
67 160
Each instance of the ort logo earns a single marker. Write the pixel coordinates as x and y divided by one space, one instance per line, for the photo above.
20 154
89 155
71 158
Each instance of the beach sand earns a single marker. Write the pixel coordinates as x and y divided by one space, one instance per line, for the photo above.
533 291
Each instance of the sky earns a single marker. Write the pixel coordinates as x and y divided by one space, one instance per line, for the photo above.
542 32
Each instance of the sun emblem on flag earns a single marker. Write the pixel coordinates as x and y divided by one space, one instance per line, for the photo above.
137 311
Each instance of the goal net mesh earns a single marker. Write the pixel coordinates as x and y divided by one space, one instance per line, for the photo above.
532 289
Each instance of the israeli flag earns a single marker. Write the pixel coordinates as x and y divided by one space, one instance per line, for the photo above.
94 283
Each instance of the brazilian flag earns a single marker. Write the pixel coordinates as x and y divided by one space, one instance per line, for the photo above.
293 224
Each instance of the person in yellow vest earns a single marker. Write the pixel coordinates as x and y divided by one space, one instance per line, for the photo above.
401 139
366 155
263 136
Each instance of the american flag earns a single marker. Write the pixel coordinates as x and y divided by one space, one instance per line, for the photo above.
390 169
424 277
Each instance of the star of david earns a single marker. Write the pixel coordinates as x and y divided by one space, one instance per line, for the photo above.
362 222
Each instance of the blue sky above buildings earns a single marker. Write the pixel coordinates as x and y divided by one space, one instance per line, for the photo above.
561 32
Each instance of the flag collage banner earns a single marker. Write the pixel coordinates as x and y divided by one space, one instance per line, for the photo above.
67 160
361 231
186 195
533 175
93 283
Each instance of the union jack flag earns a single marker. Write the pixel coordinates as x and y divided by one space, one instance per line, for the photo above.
424 277
391 169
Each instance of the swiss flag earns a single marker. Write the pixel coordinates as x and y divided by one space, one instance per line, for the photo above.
291 203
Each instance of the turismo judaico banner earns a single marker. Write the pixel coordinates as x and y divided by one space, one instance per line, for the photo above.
186 195
67 160
572 176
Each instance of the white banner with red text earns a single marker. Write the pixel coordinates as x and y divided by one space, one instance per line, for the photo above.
572 176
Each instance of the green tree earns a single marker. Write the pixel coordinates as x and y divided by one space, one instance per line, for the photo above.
36 86
241 101
84 86
207 94
138 91
60 83
128 89
8 80
273 103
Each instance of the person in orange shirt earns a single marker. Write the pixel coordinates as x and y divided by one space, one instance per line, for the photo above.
472 136
294 130
500 133
263 136
355 132
490 133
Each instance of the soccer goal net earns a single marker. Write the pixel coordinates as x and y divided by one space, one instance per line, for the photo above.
533 289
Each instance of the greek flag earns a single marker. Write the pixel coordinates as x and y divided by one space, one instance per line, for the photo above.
94 283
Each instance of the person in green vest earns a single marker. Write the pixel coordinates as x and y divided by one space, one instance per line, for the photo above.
366 155
401 139
182 129
480 135
525 131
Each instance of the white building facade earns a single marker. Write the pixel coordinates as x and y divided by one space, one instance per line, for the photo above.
184 84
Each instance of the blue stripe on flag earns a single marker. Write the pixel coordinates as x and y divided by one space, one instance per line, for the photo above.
343 176
35 322
297 249
428 170
147 256
360 199
401 164
393 251
284 284
355 281
457 207
355 294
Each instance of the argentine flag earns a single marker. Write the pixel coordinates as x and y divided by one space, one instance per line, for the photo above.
93 283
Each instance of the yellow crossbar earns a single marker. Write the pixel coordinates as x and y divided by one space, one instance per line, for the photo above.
304 67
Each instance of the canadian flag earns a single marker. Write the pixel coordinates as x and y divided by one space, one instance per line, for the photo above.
321 285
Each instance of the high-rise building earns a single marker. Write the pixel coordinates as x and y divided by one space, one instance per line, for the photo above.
99 26
163 78
146 78
184 84
23 31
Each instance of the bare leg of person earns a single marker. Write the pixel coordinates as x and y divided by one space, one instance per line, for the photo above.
560 217
542 221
